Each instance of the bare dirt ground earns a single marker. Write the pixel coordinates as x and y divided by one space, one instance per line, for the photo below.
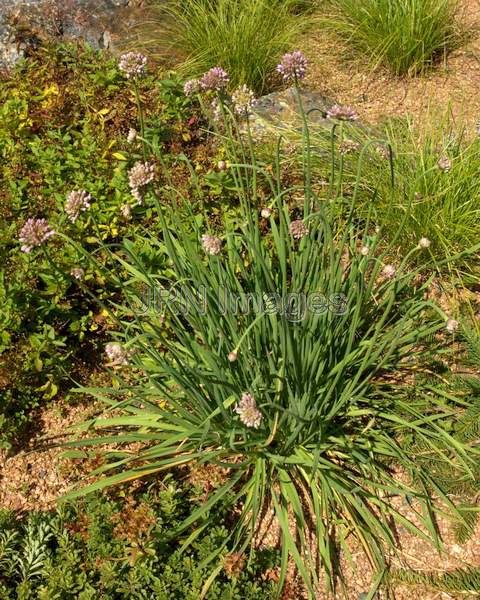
412 553
35 476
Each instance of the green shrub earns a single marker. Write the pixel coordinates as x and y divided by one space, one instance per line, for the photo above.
404 35
50 137
307 403
245 38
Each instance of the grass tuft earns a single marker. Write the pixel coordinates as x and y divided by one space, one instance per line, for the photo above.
405 35
426 200
246 38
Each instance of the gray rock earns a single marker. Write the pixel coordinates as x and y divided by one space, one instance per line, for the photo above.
10 51
284 105
281 111
24 22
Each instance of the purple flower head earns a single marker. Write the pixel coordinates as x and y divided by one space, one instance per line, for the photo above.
293 66
133 64
34 233
116 354
77 201
191 87
211 244
139 176
342 113
248 412
216 80
298 229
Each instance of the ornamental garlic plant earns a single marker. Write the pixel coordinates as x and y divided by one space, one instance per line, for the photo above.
288 351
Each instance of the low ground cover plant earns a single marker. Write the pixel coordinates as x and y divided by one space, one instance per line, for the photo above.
68 122
406 36
114 547
282 346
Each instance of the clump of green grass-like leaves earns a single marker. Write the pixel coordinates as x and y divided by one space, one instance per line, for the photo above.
245 38
325 346
433 191
405 35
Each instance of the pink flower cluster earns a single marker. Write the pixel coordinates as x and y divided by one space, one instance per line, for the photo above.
243 100
133 64
342 113
293 66
211 244
139 176
214 80
248 412
298 229
34 233
77 201
116 354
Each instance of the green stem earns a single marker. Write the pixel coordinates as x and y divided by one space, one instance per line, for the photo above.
307 163
141 118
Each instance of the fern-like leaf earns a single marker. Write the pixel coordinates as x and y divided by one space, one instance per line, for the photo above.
467 428
35 550
464 527
460 581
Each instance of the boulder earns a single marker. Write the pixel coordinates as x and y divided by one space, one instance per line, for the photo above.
281 110
24 22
